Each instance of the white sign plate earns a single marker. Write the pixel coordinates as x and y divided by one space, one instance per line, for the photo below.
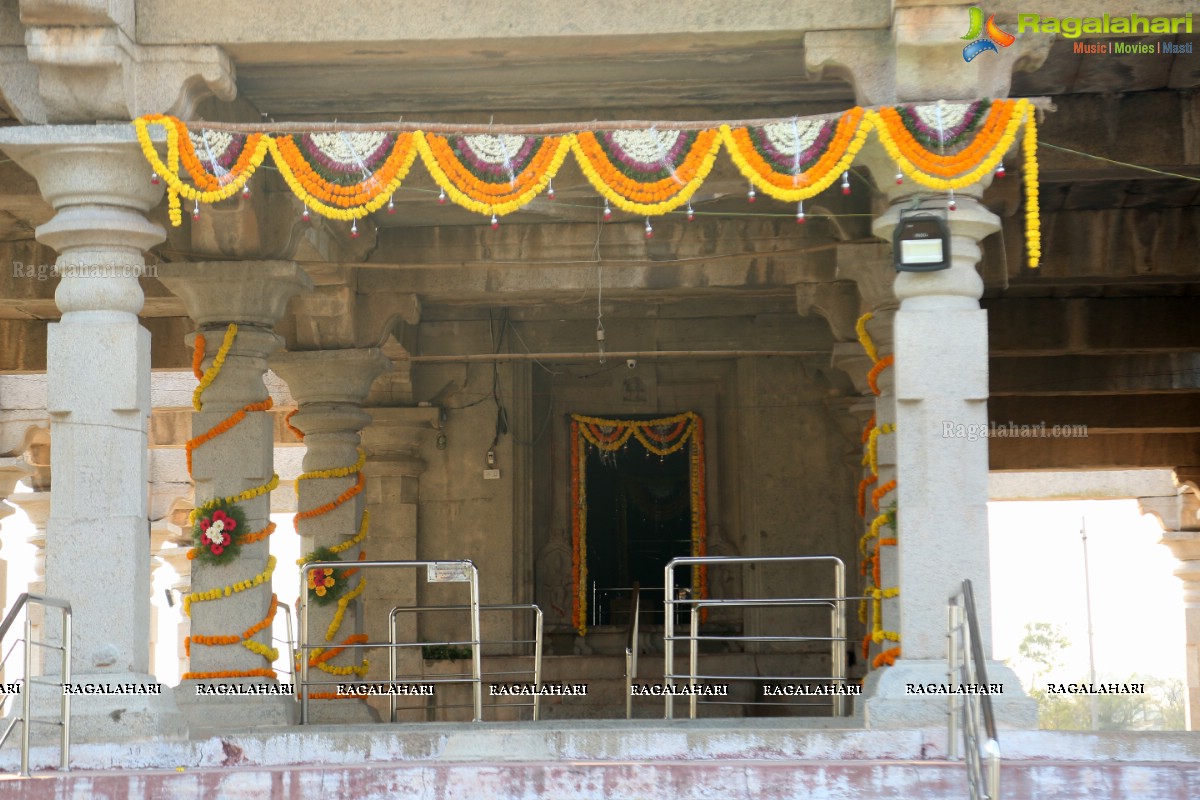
447 572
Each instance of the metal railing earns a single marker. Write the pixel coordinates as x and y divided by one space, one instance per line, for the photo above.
602 602
972 712
290 641
64 722
535 671
837 634
453 570
631 650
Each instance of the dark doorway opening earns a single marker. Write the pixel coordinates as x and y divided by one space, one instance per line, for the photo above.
639 517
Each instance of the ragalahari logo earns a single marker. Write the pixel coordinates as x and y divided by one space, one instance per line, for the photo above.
984 36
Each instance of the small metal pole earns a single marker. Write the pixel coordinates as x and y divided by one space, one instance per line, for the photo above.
669 636
476 658
693 657
25 696
392 699
537 663
302 639
839 634
952 613
65 746
1087 585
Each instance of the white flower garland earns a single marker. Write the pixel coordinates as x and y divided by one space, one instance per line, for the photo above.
349 149
646 146
495 149
791 137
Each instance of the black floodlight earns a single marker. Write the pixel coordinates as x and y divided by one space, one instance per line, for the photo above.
921 243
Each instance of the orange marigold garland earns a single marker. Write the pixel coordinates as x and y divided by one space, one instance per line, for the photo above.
331 585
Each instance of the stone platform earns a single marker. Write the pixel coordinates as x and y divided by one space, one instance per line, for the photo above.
689 760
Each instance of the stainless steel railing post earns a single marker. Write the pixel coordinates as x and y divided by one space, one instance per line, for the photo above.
537 662
65 744
27 722
669 636
476 658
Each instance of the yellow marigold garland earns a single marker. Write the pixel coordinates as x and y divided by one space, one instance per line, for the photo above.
214 370
1033 220
939 171
232 589
851 135
864 337
674 191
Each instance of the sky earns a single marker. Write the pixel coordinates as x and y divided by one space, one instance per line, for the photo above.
1036 569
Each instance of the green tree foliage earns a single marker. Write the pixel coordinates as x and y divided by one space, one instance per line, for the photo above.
1160 707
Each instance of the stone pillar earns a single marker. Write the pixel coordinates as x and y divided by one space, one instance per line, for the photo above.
329 387
253 295
1180 517
393 445
98 399
941 379
12 470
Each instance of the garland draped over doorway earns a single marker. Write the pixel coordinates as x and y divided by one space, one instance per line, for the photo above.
662 437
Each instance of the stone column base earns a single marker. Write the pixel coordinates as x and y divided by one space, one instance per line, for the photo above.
99 714
889 702
210 713
341 712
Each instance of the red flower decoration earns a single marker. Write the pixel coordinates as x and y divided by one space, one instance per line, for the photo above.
216 540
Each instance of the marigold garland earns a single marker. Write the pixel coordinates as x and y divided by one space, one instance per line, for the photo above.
886 658
789 166
864 338
287 421
228 673
231 589
862 493
218 361
873 375
880 492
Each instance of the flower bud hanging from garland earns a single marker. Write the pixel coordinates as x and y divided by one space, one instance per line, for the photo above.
217 532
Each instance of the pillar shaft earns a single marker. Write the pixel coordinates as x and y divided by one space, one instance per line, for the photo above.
237 464
98 399
941 388
330 387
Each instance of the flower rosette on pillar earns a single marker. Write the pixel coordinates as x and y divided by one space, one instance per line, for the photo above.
218 531
492 174
326 585
793 160
647 171
344 176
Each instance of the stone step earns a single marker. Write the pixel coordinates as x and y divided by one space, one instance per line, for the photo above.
677 760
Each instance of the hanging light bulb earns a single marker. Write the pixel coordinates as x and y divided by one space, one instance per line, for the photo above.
649 230
953 206
305 215
196 210
751 195
800 220
690 213
607 211
550 190
391 208
246 190
354 229
495 222
899 178
1000 173
846 182
442 197
154 178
